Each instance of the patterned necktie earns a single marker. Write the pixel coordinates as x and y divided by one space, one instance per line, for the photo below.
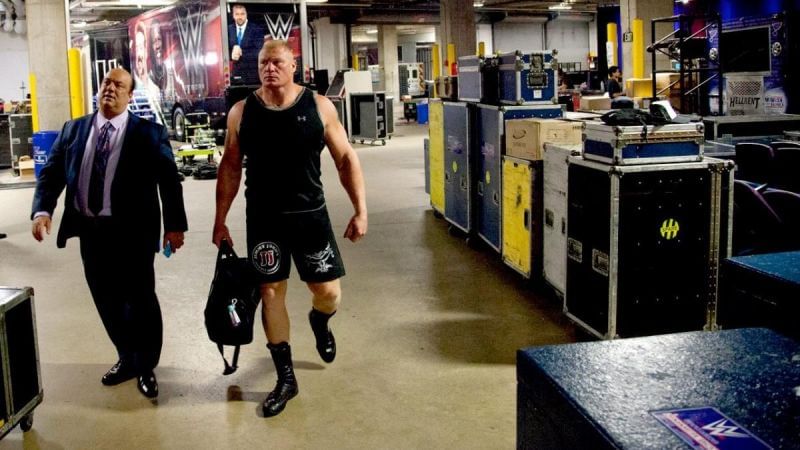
239 36
98 180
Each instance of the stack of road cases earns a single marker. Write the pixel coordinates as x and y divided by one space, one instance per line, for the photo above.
491 128
528 77
436 155
644 243
643 144
458 164
478 79
21 382
554 224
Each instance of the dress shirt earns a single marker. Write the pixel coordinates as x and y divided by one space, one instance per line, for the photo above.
119 123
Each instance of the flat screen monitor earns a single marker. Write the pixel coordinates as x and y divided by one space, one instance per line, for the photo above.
746 50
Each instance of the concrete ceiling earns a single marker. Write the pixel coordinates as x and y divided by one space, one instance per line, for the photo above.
86 15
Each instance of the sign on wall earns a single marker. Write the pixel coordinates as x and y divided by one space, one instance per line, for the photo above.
744 95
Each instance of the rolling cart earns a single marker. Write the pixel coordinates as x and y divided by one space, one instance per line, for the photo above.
21 387
368 117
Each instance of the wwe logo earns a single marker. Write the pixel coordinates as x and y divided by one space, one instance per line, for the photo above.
279 28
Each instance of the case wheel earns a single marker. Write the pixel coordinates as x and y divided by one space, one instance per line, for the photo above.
383 141
27 422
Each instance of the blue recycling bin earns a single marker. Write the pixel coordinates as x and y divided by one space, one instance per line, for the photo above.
42 142
422 113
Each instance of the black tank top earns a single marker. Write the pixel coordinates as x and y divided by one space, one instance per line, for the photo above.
283 149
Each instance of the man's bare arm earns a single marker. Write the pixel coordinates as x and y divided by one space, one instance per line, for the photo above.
229 175
348 165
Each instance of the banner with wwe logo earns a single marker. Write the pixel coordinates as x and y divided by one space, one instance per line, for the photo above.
263 22
744 95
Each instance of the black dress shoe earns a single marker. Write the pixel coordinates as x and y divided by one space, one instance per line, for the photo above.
118 373
148 385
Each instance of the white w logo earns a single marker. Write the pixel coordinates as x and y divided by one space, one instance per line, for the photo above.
279 28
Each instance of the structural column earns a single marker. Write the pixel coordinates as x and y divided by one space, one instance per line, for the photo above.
47 57
457 26
646 10
387 60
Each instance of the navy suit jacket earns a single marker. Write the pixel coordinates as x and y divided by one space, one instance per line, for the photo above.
252 41
146 170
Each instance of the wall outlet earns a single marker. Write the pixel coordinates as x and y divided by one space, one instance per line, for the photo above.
627 37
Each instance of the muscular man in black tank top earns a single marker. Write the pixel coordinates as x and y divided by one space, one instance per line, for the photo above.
282 128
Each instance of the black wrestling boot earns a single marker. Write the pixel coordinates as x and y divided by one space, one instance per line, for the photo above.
286 388
326 344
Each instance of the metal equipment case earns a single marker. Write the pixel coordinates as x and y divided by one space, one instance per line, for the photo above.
639 144
5 142
491 146
554 228
528 77
21 388
436 154
20 131
750 125
368 117
478 79
522 216
458 164
644 244
602 395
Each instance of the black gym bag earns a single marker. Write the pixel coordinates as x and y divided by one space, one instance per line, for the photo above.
232 303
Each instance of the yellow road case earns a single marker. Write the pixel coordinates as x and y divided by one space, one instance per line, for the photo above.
522 216
436 154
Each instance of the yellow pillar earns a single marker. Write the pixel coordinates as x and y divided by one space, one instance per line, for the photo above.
638 48
451 59
355 61
34 103
611 44
75 83
481 49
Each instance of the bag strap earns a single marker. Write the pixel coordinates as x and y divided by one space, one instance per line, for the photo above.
229 368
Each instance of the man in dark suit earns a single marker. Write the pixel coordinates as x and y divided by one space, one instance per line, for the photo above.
245 39
115 166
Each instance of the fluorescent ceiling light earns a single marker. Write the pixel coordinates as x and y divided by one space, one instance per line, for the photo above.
372 31
478 4
81 24
560 7
316 1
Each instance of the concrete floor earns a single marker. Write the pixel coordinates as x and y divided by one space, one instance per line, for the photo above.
427 333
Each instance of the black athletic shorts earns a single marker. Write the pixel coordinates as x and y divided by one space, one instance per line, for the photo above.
305 236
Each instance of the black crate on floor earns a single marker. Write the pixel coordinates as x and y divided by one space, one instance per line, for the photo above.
21 387
607 394
643 246
761 291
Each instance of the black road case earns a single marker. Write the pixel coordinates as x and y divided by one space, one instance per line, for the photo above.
644 244
20 130
608 394
21 388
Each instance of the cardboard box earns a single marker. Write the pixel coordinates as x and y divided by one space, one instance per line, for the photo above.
639 87
525 138
26 171
593 103
665 79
